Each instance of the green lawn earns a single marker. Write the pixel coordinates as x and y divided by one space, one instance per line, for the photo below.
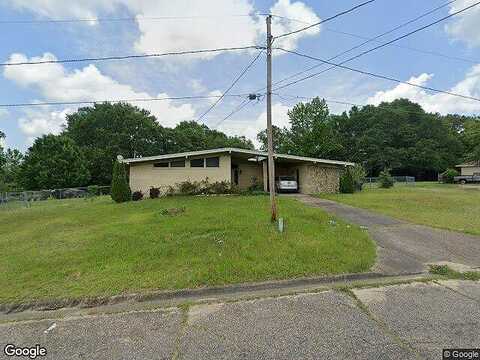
445 206
74 248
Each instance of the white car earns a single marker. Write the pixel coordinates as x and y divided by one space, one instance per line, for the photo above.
286 184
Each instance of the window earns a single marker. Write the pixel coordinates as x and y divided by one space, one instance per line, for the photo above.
213 162
197 163
177 163
161 165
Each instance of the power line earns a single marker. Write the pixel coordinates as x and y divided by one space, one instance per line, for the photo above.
293 97
379 76
83 102
132 18
428 52
237 79
108 58
375 38
398 27
326 20
377 47
240 107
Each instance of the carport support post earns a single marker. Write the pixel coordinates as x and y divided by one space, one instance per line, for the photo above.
271 164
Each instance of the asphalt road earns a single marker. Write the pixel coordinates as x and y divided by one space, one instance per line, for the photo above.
413 321
403 247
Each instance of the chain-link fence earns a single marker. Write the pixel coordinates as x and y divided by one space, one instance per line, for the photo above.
405 180
24 199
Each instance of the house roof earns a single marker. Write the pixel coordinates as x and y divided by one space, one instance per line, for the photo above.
470 164
235 151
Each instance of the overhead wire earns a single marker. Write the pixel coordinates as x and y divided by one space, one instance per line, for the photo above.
235 81
379 76
325 20
377 47
124 57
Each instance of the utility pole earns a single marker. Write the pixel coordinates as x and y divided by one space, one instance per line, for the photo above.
271 164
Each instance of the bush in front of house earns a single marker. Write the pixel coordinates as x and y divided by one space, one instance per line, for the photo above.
203 187
385 179
359 174
347 184
120 190
448 176
137 196
154 193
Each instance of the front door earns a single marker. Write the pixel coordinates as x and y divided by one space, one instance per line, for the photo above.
235 174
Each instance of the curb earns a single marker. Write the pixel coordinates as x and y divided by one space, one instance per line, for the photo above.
186 294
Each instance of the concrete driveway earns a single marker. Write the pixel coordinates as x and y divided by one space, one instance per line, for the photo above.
404 247
409 321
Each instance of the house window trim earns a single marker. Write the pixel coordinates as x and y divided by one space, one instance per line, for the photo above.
212 167
161 167
178 161
197 167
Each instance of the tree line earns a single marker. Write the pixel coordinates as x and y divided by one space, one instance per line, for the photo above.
85 151
398 135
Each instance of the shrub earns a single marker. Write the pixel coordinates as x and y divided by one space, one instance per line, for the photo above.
137 196
385 179
189 187
220 187
201 188
93 190
154 193
347 185
120 190
359 175
449 175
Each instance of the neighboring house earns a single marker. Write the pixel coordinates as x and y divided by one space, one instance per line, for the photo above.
239 167
469 168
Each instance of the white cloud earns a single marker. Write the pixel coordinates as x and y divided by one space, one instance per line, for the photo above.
217 29
3 112
214 93
42 121
437 102
84 9
55 83
464 26
298 11
251 127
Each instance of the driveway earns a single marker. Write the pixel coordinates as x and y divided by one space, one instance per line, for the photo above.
409 321
404 247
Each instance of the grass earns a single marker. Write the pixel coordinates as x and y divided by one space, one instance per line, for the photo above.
84 248
443 206
449 273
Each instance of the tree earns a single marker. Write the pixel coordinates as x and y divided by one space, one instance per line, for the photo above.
9 171
471 139
401 136
280 140
105 131
192 136
347 183
53 162
385 179
310 134
120 191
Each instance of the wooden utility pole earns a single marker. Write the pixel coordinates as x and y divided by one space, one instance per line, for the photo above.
271 164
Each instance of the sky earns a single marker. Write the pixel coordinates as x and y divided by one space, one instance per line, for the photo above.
445 56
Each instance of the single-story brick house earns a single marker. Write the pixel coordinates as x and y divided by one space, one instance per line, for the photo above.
469 168
240 167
